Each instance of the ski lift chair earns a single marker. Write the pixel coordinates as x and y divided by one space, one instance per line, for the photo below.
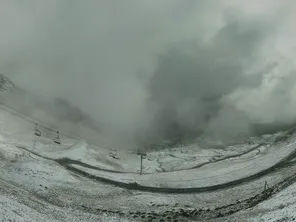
37 131
144 155
113 154
57 140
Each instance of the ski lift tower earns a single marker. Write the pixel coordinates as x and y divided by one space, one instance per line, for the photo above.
143 156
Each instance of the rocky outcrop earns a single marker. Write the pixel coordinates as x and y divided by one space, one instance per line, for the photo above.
5 84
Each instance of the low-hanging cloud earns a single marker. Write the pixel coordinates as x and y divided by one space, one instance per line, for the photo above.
190 81
157 69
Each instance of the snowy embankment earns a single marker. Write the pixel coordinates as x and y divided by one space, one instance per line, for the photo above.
29 187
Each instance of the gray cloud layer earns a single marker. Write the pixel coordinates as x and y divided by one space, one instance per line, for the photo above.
165 68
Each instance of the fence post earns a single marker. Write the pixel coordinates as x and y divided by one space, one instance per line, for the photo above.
265 186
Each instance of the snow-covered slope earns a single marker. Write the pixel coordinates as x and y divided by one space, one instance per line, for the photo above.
35 185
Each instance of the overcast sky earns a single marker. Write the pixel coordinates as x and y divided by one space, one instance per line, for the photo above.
129 62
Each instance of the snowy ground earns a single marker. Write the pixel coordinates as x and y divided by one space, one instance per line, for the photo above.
33 188
279 208
207 175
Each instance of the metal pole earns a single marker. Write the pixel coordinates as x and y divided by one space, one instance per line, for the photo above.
141 164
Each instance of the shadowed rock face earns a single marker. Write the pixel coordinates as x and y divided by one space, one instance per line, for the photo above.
60 109
5 83
67 111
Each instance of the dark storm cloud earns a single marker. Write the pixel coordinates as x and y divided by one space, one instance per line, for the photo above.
192 78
